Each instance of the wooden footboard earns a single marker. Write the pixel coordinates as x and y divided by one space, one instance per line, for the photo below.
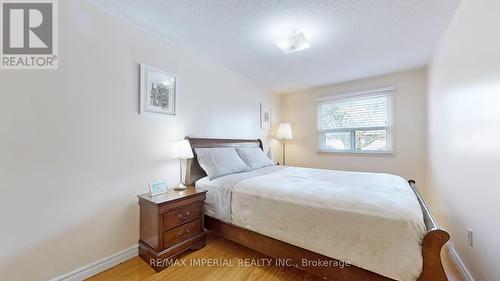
431 249
433 241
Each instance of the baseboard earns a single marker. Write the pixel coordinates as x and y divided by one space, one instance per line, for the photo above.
455 258
98 266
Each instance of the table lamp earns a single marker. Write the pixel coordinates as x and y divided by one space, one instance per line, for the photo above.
182 151
284 133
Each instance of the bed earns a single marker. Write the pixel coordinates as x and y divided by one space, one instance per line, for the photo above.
337 225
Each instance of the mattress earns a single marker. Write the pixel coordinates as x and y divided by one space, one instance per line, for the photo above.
370 220
211 188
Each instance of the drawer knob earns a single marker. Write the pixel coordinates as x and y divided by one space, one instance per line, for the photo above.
185 216
186 232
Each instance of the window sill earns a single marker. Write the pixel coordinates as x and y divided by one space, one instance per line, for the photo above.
357 153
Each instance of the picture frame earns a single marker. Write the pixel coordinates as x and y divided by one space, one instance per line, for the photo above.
158 92
265 116
157 187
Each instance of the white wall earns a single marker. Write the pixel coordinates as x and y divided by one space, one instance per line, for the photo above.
464 131
74 152
409 127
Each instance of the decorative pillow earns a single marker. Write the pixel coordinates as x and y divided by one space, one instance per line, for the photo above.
254 157
220 161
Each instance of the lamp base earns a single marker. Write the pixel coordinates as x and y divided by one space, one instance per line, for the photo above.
180 187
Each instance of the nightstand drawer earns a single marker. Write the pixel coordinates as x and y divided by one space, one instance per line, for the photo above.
181 233
171 224
182 215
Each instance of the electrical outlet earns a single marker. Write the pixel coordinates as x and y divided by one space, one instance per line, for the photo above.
470 237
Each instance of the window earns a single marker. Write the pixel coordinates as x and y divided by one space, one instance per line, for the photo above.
359 123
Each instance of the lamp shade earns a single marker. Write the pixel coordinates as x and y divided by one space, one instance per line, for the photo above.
182 150
284 131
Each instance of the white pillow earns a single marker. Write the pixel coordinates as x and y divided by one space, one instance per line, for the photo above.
254 157
220 161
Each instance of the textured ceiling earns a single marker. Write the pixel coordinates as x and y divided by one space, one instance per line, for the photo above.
351 39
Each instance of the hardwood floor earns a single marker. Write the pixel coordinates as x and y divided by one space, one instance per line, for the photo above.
217 249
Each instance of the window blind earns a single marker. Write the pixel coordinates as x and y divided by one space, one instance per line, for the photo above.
354 113
360 123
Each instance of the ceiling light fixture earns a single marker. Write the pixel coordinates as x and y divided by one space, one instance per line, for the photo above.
296 42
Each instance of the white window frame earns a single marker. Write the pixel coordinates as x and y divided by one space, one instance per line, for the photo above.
386 92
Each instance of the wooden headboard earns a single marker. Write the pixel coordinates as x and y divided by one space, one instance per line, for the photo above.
193 170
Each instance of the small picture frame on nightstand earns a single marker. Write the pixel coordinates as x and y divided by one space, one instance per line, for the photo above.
157 187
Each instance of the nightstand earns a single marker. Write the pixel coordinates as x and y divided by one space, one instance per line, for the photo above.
170 224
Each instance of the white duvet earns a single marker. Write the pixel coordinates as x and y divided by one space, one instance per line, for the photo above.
372 220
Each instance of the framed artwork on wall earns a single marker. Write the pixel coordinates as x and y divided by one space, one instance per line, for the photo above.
158 91
265 116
